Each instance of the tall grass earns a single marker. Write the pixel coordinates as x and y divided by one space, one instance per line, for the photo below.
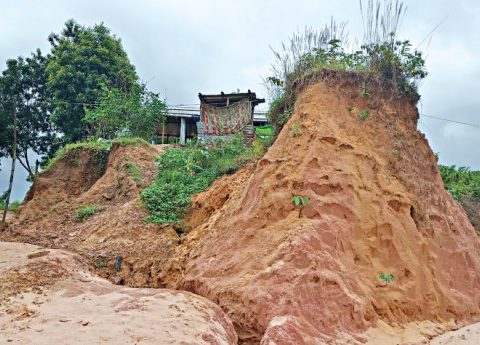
380 57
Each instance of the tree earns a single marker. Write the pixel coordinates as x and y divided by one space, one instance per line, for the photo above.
83 59
9 87
23 89
137 113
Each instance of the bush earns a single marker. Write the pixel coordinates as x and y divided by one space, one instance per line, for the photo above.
461 182
12 206
183 172
84 212
137 113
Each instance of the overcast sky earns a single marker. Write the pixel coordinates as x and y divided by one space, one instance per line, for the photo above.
182 47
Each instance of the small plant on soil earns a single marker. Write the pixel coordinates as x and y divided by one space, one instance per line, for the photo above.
84 212
363 115
350 108
298 200
395 152
387 278
364 92
296 130
133 170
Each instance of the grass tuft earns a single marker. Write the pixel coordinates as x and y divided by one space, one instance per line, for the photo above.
86 211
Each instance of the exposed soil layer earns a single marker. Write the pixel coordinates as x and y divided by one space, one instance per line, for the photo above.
116 232
376 208
48 296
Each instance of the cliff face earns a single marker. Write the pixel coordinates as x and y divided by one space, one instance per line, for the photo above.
376 206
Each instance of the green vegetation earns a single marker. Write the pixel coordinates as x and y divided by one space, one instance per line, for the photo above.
381 59
138 113
133 170
86 211
461 182
300 200
84 87
12 206
101 147
82 61
387 278
25 111
363 115
183 172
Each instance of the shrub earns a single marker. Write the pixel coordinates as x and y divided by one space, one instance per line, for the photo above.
12 206
461 182
84 212
138 113
183 172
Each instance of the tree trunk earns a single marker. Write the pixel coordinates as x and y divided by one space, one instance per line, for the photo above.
14 158
27 167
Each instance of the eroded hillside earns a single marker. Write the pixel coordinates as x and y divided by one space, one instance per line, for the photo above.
376 242
380 238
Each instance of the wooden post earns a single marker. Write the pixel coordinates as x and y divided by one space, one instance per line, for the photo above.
163 130
183 131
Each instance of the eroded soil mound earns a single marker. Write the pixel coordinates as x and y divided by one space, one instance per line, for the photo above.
379 238
49 297
116 232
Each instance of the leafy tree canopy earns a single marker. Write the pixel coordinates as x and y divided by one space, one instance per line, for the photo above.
138 113
82 60
23 90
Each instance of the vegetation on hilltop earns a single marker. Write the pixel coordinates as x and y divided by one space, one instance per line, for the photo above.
101 147
381 57
85 88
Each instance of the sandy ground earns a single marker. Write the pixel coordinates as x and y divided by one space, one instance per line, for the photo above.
49 297
469 335
422 333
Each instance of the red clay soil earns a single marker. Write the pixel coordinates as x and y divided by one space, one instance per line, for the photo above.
118 229
311 274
